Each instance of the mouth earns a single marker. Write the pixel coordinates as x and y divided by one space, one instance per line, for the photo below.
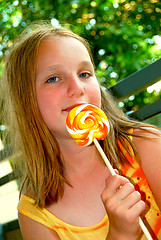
68 109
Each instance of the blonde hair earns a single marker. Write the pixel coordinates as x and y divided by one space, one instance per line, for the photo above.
43 165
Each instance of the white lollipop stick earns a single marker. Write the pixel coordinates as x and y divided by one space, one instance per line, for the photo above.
108 164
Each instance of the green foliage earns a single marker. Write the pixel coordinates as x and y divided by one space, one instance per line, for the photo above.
121 32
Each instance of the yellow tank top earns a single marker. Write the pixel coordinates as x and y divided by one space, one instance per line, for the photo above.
65 231
151 218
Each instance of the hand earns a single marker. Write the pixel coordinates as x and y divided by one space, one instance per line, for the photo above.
123 205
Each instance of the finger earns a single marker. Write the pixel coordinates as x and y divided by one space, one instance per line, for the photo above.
113 184
110 176
116 171
124 191
131 199
136 210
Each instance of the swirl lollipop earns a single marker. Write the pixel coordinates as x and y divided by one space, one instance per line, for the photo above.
86 124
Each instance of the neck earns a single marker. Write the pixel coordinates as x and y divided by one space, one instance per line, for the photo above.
79 160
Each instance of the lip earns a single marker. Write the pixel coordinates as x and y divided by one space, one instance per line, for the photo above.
68 109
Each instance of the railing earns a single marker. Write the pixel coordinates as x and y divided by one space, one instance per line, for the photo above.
137 82
131 85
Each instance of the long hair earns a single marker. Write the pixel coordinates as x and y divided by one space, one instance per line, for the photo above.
43 167
121 132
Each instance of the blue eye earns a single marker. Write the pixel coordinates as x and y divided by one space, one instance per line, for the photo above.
84 75
52 79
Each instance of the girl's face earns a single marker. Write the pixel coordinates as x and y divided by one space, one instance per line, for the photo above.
65 77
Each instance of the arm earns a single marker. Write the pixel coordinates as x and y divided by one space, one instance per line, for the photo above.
150 155
33 230
123 205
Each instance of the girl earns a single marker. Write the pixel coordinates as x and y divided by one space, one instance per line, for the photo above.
68 192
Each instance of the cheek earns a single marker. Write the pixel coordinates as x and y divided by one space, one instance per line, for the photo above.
95 95
41 101
46 106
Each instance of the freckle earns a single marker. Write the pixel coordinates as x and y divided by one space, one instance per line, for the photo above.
149 197
138 178
158 214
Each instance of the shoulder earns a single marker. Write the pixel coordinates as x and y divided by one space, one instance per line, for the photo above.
149 150
147 132
34 230
148 140
148 144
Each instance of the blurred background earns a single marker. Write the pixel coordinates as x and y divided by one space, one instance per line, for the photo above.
124 35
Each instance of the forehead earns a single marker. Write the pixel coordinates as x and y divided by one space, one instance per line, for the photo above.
55 49
63 42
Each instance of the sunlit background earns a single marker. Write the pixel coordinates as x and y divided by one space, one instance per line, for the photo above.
124 36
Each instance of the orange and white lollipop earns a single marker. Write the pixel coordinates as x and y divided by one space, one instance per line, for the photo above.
86 123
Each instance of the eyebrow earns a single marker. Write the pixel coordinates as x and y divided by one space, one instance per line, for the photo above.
84 63
56 66
49 68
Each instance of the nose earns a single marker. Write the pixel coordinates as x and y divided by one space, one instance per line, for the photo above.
75 87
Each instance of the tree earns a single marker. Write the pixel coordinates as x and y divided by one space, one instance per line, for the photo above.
121 32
